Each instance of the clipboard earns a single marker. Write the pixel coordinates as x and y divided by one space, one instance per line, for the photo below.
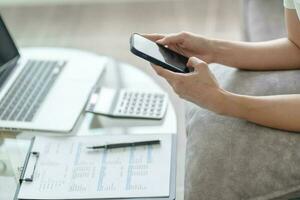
23 169
172 195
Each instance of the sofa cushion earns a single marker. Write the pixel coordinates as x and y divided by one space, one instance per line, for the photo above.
229 158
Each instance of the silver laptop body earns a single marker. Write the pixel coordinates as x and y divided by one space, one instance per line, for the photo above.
44 88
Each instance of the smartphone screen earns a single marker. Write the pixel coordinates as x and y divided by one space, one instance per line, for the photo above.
160 53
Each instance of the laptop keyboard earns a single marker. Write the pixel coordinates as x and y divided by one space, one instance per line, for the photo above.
29 90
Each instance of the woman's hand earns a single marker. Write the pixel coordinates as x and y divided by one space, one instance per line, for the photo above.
199 86
187 44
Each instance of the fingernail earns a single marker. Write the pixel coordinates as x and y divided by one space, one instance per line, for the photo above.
160 41
193 60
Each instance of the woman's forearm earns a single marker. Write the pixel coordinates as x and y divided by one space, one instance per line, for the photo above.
271 55
280 112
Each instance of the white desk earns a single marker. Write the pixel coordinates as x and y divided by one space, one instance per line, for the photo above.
117 75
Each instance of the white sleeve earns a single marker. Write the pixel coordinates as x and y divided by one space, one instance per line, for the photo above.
289 4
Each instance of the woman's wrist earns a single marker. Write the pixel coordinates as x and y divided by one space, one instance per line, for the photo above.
232 105
222 52
216 50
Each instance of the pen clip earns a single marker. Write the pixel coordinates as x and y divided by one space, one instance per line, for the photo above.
30 179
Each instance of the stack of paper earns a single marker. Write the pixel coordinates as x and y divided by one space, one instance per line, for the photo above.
66 169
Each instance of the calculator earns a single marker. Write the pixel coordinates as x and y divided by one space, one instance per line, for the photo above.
129 103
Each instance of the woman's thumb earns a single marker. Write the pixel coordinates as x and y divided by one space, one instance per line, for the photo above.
170 39
196 63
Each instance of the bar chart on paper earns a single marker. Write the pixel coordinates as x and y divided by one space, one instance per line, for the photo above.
68 170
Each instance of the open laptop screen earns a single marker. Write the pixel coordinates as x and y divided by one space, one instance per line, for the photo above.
8 52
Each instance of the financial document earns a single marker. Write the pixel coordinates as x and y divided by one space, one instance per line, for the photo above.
66 169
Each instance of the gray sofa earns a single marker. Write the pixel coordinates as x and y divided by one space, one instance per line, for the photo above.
232 159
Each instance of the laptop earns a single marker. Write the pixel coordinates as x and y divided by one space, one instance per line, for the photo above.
44 89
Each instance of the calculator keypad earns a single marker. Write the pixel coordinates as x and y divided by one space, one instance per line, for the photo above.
139 104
